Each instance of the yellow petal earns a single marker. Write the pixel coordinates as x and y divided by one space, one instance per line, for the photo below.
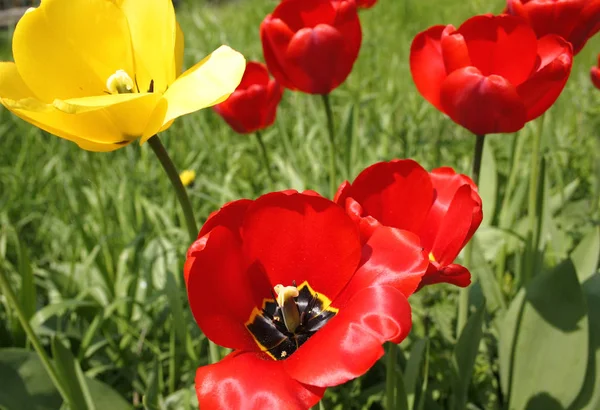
68 49
179 46
207 83
153 30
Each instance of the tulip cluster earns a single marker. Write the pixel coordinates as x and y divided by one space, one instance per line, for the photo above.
306 290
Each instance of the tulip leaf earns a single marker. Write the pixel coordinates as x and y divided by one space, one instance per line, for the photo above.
26 385
150 399
544 341
71 374
413 370
585 257
465 353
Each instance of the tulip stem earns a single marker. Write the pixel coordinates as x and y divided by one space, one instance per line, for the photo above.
463 299
182 196
265 156
390 378
8 293
331 134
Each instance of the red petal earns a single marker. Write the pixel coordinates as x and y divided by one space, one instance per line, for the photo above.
483 105
230 216
303 238
397 193
222 292
453 274
457 225
350 343
446 183
298 14
543 88
275 36
366 223
589 25
314 55
255 74
501 45
391 257
455 51
251 381
595 74
427 64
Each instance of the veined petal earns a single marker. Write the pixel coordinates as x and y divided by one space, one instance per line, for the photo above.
153 36
207 83
68 49
251 381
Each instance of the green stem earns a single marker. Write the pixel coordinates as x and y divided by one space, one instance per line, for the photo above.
186 206
182 196
532 245
463 301
33 339
390 378
331 134
265 156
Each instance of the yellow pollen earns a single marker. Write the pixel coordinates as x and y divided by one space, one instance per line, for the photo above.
431 257
119 83
289 309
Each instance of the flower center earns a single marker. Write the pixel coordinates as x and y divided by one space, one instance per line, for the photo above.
289 319
120 83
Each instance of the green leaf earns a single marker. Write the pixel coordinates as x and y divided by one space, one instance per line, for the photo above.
544 341
413 370
150 399
465 353
25 383
70 372
585 257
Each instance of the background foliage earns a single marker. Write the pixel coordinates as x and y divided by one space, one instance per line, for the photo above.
94 243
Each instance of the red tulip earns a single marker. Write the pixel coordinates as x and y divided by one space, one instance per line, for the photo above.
595 74
253 104
492 74
442 207
574 20
285 281
311 45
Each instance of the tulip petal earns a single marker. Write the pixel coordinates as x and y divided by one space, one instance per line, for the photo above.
179 50
391 257
298 237
68 49
207 83
153 32
250 381
94 128
427 64
502 45
396 193
231 215
222 291
446 183
275 36
595 75
456 226
350 343
542 89
483 105
453 274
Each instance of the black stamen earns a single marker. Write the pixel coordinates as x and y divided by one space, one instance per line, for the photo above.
151 88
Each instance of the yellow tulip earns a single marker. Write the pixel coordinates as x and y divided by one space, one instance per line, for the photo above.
102 73
187 177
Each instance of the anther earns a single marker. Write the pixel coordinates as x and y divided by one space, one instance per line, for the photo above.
287 304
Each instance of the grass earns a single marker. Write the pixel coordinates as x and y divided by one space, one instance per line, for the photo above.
105 238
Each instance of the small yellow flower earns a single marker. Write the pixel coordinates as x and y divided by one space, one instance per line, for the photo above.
102 73
187 177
